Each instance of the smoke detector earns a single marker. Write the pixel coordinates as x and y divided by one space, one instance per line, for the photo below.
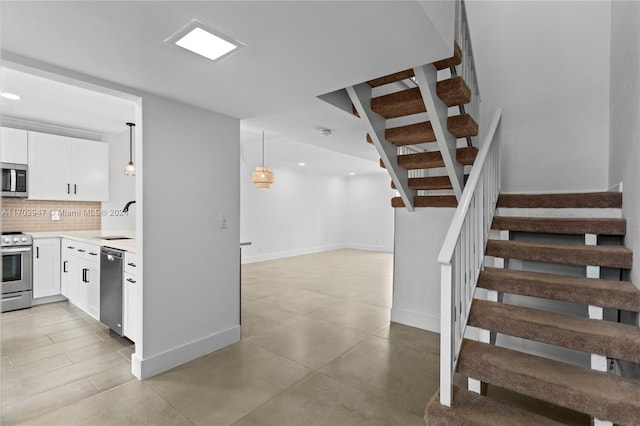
325 132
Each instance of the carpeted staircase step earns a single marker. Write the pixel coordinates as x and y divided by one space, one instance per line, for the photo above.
455 60
598 394
428 183
428 201
453 91
606 226
583 255
433 159
460 126
588 291
559 201
470 409
614 340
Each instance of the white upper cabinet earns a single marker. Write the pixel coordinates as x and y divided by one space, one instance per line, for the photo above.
64 168
13 145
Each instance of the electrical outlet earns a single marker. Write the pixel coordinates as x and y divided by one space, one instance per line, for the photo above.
55 215
222 221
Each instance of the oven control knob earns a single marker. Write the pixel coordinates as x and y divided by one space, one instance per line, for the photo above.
6 240
16 240
24 239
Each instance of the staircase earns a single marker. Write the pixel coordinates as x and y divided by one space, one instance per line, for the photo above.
399 99
538 256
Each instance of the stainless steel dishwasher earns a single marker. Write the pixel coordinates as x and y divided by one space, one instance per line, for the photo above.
111 288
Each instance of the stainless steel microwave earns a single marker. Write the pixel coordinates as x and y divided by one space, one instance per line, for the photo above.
14 180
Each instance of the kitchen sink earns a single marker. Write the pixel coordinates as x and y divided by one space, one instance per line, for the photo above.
114 238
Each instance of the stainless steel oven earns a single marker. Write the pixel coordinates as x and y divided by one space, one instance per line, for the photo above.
17 271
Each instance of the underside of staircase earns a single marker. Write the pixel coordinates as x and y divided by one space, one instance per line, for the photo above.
399 99
548 286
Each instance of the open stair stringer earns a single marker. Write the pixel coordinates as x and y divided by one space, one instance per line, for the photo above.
360 96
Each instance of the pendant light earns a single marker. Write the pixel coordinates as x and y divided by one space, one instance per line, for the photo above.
130 170
262 177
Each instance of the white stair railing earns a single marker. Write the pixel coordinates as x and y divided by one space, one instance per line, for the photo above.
462 254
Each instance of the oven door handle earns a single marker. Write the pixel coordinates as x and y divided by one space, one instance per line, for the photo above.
16 250
12 184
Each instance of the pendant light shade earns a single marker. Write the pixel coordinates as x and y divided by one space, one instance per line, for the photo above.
262 177
130 170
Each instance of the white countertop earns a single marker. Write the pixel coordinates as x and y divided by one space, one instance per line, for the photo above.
94 237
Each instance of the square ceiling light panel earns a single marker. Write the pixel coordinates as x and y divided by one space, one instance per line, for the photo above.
198 38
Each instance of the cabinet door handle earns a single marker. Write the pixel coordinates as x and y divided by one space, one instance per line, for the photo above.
85 275
64 266
70 247
93 254
75 188
37 252
131 280
81 250
133 265
68 188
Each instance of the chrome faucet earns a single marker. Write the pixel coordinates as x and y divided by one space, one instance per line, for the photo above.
126 206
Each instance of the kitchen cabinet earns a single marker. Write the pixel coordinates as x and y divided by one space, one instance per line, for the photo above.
130 298
64 168
81 275
13 145
46 267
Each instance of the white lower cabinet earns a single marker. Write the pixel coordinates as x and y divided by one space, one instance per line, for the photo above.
80 275
46 267
130 298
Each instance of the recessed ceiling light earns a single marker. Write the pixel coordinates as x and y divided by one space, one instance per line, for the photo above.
325 132
301 164
199 39
352 173
11 96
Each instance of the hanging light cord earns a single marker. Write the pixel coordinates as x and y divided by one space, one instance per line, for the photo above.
263 148
131 144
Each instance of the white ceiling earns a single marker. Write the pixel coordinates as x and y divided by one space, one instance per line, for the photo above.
296 50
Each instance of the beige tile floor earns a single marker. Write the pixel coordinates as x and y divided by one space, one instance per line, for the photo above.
317 349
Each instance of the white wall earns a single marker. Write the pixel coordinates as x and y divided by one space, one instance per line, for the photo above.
416 271
624 160
191 268
369 215
546 63
121 188
301 213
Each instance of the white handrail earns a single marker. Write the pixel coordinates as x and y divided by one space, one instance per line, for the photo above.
462 254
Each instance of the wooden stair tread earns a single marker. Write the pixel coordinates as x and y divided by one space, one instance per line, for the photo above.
460 126
471 409
598 394
428 183
428 201
433 159
453 91
606 226
454 60
570 200
588 291
614 340
608 256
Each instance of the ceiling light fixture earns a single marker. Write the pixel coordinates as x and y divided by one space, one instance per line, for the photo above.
11 96
197 38
301 164
130 170
262 177
325 132
352 173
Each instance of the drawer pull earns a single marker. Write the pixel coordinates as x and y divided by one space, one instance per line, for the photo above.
133 265
132 281
81 250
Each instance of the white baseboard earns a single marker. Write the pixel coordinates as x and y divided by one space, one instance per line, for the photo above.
370 247
48 299
149 367
415 319
290 253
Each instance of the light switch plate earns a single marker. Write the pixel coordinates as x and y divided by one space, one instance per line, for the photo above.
222 221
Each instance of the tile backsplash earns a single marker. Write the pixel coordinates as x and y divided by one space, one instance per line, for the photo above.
35 216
